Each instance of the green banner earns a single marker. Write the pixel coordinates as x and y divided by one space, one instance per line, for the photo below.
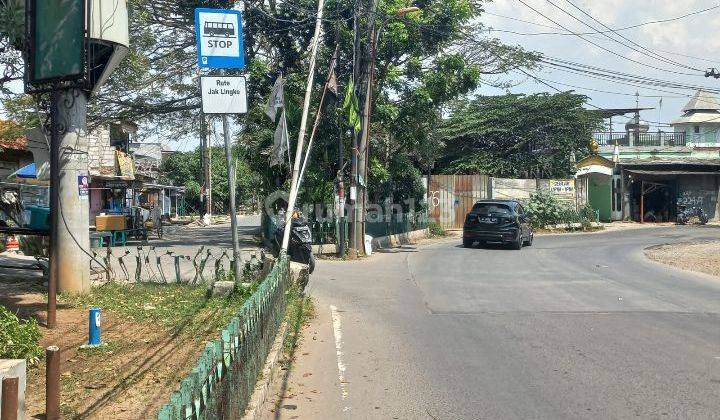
59 34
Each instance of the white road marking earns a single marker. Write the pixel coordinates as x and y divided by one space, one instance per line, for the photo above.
337 331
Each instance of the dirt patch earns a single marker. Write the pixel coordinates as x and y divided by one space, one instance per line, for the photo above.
703 257
130 377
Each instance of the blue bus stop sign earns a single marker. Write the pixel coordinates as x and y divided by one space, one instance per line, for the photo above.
220 41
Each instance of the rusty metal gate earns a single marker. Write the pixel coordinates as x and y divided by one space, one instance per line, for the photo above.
451 197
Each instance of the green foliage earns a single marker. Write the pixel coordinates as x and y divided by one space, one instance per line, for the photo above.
518 136
34 245
185 168
19 339
178 307
425 61
22 110
400 181
436 230
545 209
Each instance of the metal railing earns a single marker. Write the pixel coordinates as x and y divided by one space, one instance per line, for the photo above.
643 139
397 224
222 382
325 232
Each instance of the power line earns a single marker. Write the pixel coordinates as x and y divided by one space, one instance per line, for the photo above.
615 93
627 39
653 22
594 36
595 43
566 64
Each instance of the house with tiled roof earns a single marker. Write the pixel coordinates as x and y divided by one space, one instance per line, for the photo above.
14 151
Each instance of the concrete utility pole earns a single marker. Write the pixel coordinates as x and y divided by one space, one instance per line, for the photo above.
70 227
294 185
365 63
206 166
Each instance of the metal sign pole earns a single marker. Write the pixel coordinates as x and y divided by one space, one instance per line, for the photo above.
231 187
220 45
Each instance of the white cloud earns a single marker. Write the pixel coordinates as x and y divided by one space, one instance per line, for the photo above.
694 36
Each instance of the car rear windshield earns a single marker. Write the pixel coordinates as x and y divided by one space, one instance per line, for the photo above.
492 208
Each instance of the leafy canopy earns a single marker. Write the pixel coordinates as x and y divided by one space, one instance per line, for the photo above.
518 136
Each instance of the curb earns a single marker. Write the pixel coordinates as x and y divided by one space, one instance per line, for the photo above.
393 241
268 374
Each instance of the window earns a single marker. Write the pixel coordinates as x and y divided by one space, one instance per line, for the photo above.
491 208
696 129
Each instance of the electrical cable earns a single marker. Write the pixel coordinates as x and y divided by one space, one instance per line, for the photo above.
600 46
556 62
658 56
615 93
600 32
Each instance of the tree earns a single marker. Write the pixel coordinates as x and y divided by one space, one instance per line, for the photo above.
425 61
12 31
518 136
183 168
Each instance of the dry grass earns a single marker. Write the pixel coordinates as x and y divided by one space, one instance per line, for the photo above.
703 257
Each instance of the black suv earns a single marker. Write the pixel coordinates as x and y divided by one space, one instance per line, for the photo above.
502 221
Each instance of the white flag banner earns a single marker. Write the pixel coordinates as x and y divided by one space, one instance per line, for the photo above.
281 142
276 99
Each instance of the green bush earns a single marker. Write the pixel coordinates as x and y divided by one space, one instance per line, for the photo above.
545 209
19 339
436 230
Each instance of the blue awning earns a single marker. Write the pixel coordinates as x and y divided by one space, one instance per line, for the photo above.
29 171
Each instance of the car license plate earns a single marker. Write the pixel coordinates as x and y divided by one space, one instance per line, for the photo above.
488 220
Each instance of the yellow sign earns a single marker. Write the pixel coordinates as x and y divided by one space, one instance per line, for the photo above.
126 166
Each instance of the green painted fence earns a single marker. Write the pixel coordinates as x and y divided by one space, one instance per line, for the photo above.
221 384
397 224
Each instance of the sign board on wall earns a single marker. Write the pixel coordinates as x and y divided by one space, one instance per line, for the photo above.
126 165
83 187
563 186
220 42
223 95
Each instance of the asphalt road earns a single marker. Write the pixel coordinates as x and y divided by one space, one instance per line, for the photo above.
577 326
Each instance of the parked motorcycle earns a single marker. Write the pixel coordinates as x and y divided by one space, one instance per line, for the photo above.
300 247
685 214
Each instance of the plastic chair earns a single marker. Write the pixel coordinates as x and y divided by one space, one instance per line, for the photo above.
119 237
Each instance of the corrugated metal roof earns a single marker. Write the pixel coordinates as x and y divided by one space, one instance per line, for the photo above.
656 172
702 101
699 118
668 161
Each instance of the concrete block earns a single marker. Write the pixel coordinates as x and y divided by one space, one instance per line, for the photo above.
394 241
14 368
267 265
223 289
325 249
299 274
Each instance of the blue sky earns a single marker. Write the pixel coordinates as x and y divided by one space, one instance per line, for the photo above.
667 46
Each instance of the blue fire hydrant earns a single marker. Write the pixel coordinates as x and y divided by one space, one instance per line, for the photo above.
94 333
